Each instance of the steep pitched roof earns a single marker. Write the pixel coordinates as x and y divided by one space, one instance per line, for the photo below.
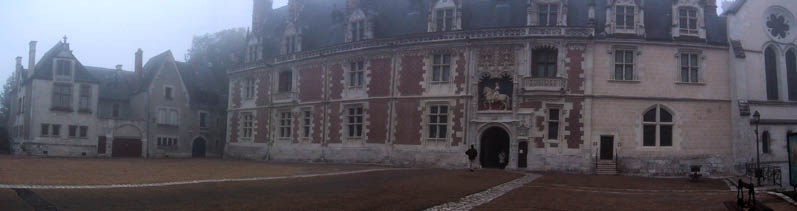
734 7
203 85
114 84
151 68
44 68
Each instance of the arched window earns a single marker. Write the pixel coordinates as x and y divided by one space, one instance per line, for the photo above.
657 124
765 142
358 26
791 74
771 69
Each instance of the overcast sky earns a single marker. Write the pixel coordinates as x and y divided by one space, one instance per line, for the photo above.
105 33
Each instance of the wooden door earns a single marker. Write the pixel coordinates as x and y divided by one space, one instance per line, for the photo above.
126 148
607 148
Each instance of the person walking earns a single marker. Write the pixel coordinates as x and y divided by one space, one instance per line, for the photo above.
471 156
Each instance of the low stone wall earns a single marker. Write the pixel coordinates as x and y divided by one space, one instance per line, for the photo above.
59 150
673 166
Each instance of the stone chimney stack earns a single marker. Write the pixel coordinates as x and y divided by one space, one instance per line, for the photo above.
32 56
118 67
261 10
19 63
711 7
139 64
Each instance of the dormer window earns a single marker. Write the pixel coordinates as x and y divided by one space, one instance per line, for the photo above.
290 44
687 20
63 69
291 39
548 14
444 16
445 19
358 27
624 17
358 30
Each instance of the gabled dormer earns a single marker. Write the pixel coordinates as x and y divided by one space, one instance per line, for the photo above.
359 26
292 34
547 13
688 19
625 17
445 15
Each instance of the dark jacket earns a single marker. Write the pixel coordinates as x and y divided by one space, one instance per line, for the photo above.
471 153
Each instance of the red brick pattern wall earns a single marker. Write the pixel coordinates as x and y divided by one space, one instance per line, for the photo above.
335 78
263 122
408 125
575 78
380 70
310 82
236 94
536 105
297 126
459 114
411 75
233 127
318 121
334 123
263 88
459 80
574 124
378 116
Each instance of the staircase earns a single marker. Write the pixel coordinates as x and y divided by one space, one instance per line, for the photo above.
606 167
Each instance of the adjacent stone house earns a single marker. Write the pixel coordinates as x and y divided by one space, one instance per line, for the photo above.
64 108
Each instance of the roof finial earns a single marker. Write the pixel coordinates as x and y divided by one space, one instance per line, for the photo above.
64 39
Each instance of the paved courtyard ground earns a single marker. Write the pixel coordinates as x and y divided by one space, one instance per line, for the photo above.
80 171
376 188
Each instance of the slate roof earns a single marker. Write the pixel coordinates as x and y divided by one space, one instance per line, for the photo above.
44 68
114 84
150 68
734 7
203 86
323 21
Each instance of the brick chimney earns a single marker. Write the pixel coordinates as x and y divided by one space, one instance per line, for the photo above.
261 10
139 64
32 56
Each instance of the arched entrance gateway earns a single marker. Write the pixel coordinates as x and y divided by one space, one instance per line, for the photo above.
198 148
494 142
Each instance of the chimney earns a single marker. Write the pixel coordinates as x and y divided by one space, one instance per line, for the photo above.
261 10
32 56
139 64
19 63
118 67
711 7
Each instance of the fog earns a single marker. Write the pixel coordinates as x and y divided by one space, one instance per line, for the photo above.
107 32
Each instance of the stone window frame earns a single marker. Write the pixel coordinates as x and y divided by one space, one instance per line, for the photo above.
425 121
166 119
442 6
283 88
700 66
167 142
61 77
62 92
635 64
766 142
356 67
56 130
657 124
306 122
560 121
637 27
206 121
532 12
248 125
44 130
291 40
442 65
168 92
83 132
558 63
84 92
72 131
283 122
428 114
700 19
359 27
250 89
348 125
776 95
789 95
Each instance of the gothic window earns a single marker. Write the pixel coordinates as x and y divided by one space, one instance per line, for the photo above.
291 44
438 122
553 123
624 64
85 96
544 63
203 119
285 81
687 20
441 68
285 121
63 69
445 19
689 63
62 96
444 16
307 122
771 69
765 142
548 14
791 74
248 124
358 30
354 121
657 125
624 17
356 73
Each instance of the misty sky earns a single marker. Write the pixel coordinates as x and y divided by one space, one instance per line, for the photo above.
105 33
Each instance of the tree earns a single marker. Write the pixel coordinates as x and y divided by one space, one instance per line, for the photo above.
217 51
5 111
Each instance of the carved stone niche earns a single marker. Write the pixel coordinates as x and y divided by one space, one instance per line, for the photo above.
495 60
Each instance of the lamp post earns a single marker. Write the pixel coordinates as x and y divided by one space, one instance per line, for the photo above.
756 119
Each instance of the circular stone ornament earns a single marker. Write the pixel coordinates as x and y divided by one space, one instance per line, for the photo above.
779 24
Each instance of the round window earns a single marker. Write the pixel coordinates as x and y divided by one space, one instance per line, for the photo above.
779 24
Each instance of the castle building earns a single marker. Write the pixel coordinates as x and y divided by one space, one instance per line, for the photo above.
636 86
61 107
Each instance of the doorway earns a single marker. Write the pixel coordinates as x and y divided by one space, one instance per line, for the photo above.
129 148
198 148
607 148
494 151
523 150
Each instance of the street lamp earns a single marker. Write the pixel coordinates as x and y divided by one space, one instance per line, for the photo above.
756 119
